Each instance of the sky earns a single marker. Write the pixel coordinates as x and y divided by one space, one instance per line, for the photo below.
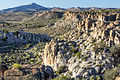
4 4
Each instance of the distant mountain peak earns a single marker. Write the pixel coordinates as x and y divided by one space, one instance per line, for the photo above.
25 8
33 4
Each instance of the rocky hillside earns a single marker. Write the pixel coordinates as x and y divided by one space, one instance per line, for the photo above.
78 45
15 17
87 51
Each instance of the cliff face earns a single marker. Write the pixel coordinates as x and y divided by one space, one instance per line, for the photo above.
85 49
100 26
21 37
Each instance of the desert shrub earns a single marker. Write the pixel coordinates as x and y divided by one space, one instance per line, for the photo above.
41 25
63 78
61 69
66 49
84 58
5 31
101 65
118 65
92 78
99 47
29 45
16 33
93 40
78 54
74 50
4 38
98 77
110 74
69 73
17 66
115 49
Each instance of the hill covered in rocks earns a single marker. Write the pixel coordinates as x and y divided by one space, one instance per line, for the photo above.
75 45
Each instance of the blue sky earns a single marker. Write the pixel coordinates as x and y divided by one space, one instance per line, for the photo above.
62 3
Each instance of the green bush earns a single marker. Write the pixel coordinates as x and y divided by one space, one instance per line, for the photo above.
74 50
78 54
92 78
110 74
61 69
17 66
98 77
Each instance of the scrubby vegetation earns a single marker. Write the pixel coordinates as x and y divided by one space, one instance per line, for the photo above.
21 53
61 69
110 74
16 66
63 78
115 50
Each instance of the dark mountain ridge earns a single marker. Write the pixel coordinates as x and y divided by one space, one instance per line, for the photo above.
33 7
25 8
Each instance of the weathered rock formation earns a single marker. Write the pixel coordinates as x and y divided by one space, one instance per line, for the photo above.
58 54
29 72
84 50
22 37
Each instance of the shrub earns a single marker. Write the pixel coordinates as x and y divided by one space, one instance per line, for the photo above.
5 31
84 58
61 69
16 33
17 66
110 74
118 65
74 50
98 77
63 78
78 54
92 78
69 73
99 47
4 38
115 49
28 45
66 49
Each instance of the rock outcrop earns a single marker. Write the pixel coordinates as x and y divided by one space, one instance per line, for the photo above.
22 37
58 54
85 49
29 72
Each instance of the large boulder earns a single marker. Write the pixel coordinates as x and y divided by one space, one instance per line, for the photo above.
30 72
13 74
117 78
